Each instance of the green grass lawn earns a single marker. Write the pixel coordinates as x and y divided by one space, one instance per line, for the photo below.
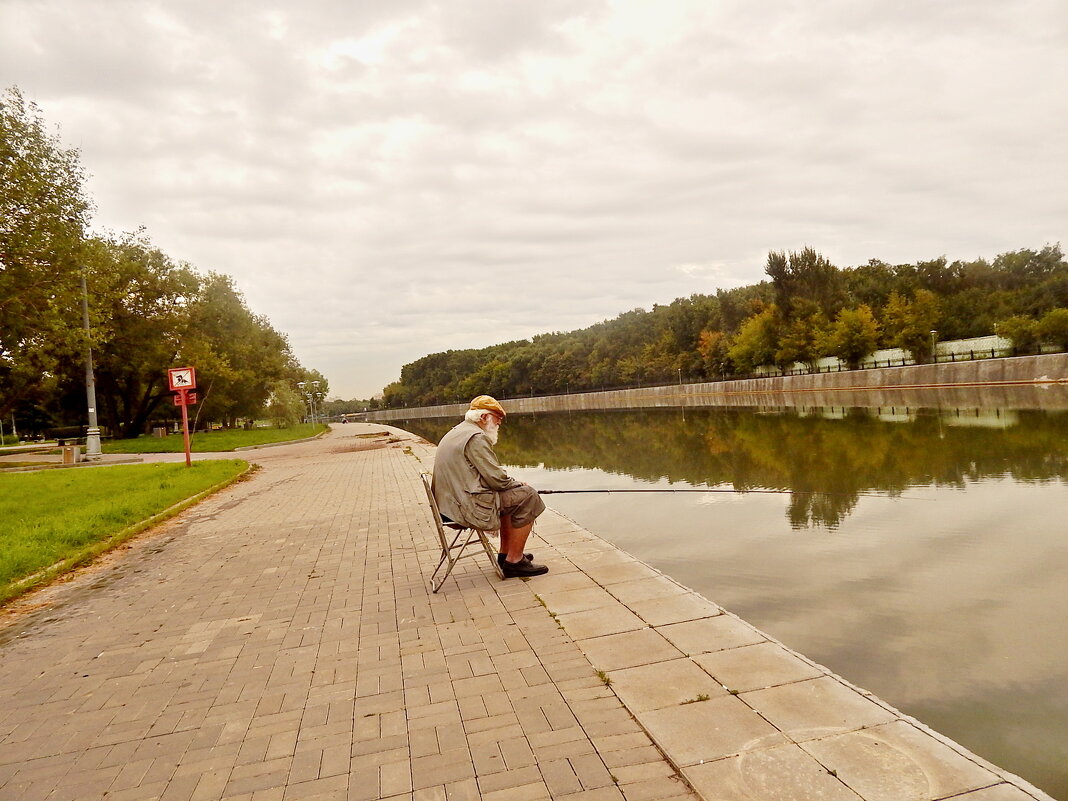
213 441
53 520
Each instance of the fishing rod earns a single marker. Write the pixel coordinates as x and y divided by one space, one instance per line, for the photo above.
695 489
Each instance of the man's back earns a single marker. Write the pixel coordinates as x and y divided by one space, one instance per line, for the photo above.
457 485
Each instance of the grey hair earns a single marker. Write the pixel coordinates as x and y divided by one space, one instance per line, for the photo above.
475 415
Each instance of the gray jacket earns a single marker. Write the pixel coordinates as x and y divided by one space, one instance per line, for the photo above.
467 478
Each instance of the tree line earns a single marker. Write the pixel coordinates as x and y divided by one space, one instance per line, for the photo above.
147 312
806 309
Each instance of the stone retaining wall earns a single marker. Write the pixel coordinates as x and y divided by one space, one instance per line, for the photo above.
1022 382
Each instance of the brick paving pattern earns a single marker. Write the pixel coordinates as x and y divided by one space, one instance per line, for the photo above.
279 642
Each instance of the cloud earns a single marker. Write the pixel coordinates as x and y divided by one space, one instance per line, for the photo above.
390 179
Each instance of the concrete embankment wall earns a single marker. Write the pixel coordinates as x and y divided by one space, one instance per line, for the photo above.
1022 382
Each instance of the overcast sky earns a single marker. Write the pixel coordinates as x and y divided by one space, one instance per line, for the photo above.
390 179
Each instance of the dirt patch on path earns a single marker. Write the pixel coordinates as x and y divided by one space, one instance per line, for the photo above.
366 442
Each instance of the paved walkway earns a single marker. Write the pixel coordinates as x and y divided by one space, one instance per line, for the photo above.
278 642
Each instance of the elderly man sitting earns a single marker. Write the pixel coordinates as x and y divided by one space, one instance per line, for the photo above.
472 488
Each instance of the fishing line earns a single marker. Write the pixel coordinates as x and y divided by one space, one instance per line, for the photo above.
733 491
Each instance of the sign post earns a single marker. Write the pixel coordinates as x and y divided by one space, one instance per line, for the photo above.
182 380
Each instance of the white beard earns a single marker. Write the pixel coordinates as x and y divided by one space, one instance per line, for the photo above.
492 430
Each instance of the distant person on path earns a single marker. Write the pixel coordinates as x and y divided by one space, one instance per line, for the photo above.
473 489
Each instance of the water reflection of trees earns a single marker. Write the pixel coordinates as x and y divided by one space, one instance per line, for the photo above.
824 463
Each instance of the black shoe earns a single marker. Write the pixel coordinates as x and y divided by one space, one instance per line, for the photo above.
501 557
522 569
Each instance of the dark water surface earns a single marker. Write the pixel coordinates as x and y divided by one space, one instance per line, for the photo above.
946 595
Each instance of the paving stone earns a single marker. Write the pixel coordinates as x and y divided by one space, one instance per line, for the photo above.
656 789
768 774
599 622
621 742
536 791
650 587
999 792
561 601
754 667
710 634
597 794
709 730
555 582
635 774
591 771
663 684
674 609
609 575
441 768
560 777
334 788
508 779
898 762
395 779
630 649
816 708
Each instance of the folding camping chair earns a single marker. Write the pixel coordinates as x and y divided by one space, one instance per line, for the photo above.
452 551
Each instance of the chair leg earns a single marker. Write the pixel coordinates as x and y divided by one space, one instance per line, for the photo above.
491 552
446 556
458 548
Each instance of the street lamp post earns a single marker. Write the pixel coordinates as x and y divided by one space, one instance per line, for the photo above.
934 357
92 434
303 394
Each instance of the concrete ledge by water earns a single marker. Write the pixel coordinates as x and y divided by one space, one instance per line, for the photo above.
1022 382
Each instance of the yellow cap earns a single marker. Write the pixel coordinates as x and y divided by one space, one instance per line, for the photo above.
489 404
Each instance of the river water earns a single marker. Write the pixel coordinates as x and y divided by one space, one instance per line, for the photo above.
920 553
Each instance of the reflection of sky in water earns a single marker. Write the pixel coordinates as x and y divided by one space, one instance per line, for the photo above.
949 602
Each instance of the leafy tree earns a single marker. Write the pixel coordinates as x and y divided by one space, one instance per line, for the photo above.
801 338
907 324
285 405
396 395
756 342
874 282
895 319
43 214
1023 331
802 279
1021 268
1053 328
146 311
138 303
713 348
923 317
239 356
937 276
854 335
337 406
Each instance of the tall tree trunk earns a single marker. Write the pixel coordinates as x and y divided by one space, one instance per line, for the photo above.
146 405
